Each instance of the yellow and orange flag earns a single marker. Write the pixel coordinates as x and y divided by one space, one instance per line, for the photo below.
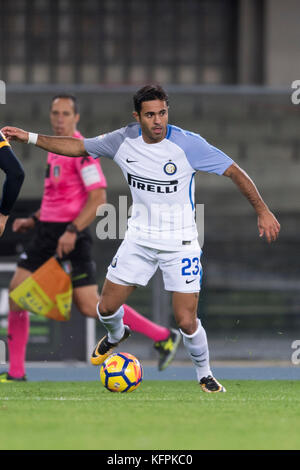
47 292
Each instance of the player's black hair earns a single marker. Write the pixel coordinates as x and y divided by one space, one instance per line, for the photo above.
68 97
149 93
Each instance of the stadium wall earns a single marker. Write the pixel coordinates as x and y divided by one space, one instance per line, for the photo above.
257 127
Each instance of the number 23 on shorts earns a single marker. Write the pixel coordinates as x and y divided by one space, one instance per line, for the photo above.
191 267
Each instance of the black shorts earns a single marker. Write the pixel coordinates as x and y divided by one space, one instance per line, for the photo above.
43 245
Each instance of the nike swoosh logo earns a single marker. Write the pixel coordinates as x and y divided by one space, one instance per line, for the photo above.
130 161
188 282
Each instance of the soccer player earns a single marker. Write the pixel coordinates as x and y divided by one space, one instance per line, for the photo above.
13 181
159 162
73 190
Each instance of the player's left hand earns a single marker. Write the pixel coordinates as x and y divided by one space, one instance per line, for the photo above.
268 225
14 133
66 244
3 220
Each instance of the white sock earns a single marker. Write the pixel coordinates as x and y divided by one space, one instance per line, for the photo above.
113 324
197 347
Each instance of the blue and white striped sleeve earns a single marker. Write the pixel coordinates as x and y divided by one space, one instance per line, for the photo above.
211 160
105 145
201 155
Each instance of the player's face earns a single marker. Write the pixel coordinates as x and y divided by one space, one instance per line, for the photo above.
62 117
153 119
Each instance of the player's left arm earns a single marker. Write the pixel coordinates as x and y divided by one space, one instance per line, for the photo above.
67 241
14 171
267 223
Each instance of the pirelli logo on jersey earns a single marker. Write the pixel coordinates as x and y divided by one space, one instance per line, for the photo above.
153 186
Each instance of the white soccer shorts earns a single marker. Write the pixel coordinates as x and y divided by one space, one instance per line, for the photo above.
135 264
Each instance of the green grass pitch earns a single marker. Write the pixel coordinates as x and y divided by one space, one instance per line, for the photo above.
159 415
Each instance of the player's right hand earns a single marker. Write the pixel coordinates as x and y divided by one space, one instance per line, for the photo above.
13 133
268 225
23 225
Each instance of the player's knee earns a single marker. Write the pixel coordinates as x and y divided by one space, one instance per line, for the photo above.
187 325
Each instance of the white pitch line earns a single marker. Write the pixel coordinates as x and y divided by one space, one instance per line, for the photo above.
45 399
145 400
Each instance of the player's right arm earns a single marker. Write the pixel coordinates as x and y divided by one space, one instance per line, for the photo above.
67 146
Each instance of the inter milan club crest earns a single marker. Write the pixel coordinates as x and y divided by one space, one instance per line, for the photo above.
170 168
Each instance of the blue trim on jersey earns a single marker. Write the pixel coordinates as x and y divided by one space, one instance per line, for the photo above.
190 191
169 131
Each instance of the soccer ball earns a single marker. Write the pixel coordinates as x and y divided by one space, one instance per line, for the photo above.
121 372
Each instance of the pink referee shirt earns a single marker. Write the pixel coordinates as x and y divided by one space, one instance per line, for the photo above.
67 184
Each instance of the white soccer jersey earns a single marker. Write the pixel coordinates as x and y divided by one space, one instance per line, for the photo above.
161 180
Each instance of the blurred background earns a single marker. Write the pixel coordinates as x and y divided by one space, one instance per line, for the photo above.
228 66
